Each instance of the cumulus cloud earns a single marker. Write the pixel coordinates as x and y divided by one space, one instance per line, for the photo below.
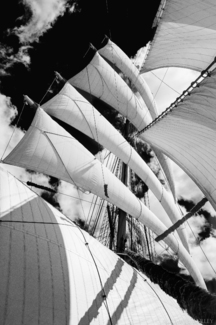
7 132
44 14
140 56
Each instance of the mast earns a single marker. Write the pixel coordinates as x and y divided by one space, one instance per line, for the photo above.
121 234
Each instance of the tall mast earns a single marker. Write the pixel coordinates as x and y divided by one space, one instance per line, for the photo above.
121 234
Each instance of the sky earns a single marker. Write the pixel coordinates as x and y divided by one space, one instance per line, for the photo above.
28 68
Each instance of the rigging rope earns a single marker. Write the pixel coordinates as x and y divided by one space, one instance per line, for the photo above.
56 192
104 296
204 74
47 90
161 83
162 80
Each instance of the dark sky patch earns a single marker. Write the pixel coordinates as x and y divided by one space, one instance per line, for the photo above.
63 47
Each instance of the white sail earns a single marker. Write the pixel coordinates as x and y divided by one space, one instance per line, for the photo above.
72 108
187 134
48 148
116 56
54 273
100 80
185 36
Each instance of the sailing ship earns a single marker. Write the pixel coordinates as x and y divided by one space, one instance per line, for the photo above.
53 272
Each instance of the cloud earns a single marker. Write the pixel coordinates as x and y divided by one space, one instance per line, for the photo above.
69 200
7 132
138 59
44 14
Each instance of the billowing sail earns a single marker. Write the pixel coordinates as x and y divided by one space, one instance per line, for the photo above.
48 148
185 35
116 56
99 79
72 108
54 273
187 134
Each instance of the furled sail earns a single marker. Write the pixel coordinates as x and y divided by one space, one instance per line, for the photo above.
100 80
185 35
187 134
72 108
46 147
54 273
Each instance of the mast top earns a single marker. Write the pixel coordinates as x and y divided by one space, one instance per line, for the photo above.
30 102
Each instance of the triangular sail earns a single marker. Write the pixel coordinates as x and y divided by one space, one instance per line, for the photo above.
187 134
185 35
72 108
54 273
99 79
84 170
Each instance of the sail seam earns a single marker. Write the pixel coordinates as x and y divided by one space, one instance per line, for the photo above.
85 119
104 296
38 264
45 133
157 296
60 257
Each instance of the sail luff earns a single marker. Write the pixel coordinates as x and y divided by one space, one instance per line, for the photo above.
86 171
70 107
